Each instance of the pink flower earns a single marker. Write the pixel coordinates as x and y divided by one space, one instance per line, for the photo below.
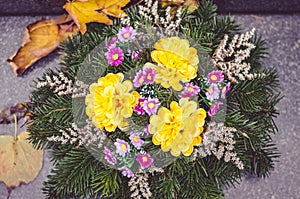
126 34
138 79
189 90
215 76
115 56
139 106
149 75
225 90
109 156
150 106
212 92
214 108
112 43
146 130
136 140
145 160
126 172
122 147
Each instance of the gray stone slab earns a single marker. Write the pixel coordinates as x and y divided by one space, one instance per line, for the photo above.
282 34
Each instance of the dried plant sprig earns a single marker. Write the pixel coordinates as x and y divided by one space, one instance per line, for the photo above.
219 141
139 186
84 136
61 84
230 57
165 21
80 89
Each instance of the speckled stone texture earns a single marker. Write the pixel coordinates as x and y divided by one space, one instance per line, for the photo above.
282 34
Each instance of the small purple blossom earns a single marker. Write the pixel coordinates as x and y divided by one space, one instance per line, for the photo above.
215 76
150 105
136 140
135 55
214 108
112 43
122 147
126 34
109 156
115 56
149 75
138 79
212 92
189 90
225 90
139 106
126 172
145 160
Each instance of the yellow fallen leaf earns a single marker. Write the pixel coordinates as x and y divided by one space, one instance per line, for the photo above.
40 39
19 161
85 11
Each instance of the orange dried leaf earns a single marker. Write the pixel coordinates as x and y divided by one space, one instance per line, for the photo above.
85 11
19 161
40 39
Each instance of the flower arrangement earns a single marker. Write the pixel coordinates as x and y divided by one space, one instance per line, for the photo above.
156 108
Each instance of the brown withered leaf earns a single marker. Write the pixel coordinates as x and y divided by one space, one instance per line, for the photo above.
19 161
86 11
7 114
40 39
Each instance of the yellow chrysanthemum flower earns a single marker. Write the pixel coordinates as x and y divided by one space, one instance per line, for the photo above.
178 130
110 102
177 62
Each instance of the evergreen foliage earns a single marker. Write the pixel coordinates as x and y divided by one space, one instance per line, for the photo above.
250 109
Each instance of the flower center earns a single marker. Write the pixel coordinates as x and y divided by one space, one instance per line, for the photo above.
136 138
213 77
141 79
115 56
151 105
123 147
149 77
126 35
145 159
190 89
210 91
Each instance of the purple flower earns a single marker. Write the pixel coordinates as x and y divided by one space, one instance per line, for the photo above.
112 43
122 147
139 106
145 160
149 75
136 140
212 92
215 76
134 54
109 156
126 172
225 90
189 90
126 34
138 79
115 56
150 106
214 108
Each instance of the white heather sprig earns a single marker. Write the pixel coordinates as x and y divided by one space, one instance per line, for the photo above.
236 51
166 20
80 89
139 186
61 84
86 135
219 141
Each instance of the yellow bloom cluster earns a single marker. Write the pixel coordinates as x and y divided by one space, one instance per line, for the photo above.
178 130
177 62
110 102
